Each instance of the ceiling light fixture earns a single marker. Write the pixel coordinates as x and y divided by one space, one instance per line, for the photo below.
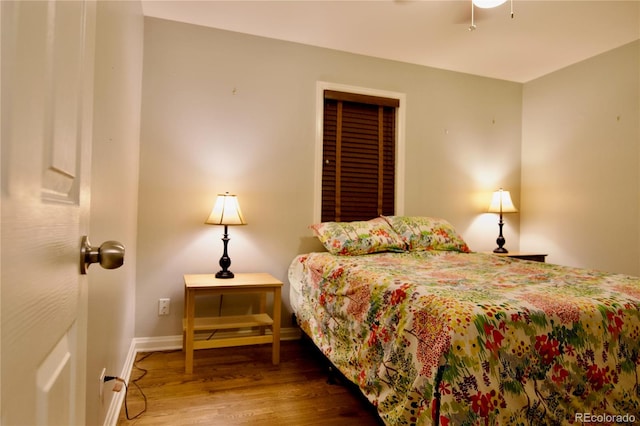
488 4
485 4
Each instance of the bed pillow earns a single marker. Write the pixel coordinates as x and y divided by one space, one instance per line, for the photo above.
427 233
359 237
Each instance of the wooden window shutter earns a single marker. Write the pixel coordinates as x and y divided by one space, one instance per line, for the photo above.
358 174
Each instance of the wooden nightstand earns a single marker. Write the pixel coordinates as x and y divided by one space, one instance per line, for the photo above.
200 284
536 257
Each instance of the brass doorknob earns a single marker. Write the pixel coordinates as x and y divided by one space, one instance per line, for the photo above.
110 255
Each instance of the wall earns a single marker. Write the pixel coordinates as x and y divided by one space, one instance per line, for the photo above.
223 111
114 193
580 163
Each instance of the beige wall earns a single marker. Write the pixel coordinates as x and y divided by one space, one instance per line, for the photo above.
223 111
580 163
114 193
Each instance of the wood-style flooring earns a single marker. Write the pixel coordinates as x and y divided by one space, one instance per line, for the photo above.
240 386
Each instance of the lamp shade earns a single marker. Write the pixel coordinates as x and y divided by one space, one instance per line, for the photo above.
226 211
487 4
501 202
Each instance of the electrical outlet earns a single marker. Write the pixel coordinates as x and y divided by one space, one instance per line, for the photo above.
163 306
101 384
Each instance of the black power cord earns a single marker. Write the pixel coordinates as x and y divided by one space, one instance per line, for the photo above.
126 388
219 314
135 382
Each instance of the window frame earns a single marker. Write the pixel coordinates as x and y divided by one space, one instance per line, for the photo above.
321 86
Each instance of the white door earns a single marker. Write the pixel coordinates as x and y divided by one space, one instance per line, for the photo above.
47 100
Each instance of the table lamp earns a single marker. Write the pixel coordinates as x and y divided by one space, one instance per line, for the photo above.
501 203
226 211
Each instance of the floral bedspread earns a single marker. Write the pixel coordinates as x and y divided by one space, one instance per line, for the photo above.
473 339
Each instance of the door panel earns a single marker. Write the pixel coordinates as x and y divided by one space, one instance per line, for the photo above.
47 98
62 99
54 383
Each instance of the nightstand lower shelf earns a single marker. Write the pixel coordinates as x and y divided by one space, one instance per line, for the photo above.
228 323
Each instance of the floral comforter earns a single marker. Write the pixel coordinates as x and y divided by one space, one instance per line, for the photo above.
473 339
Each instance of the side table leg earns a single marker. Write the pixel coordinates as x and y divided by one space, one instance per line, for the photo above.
188 338
277 303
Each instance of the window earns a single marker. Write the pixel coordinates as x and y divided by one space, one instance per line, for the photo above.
358 162
371 181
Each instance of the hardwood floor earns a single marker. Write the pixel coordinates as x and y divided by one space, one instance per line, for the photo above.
240 386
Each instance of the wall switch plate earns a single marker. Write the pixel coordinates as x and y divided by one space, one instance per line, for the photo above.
163 306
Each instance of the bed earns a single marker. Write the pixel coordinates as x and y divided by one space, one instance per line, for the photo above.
434 334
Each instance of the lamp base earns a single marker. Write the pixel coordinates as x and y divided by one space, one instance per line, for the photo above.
224 274
500 241
225 260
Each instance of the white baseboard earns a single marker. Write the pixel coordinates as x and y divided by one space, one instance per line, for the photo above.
163 343
111 419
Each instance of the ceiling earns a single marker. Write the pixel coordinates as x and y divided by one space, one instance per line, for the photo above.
543 36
